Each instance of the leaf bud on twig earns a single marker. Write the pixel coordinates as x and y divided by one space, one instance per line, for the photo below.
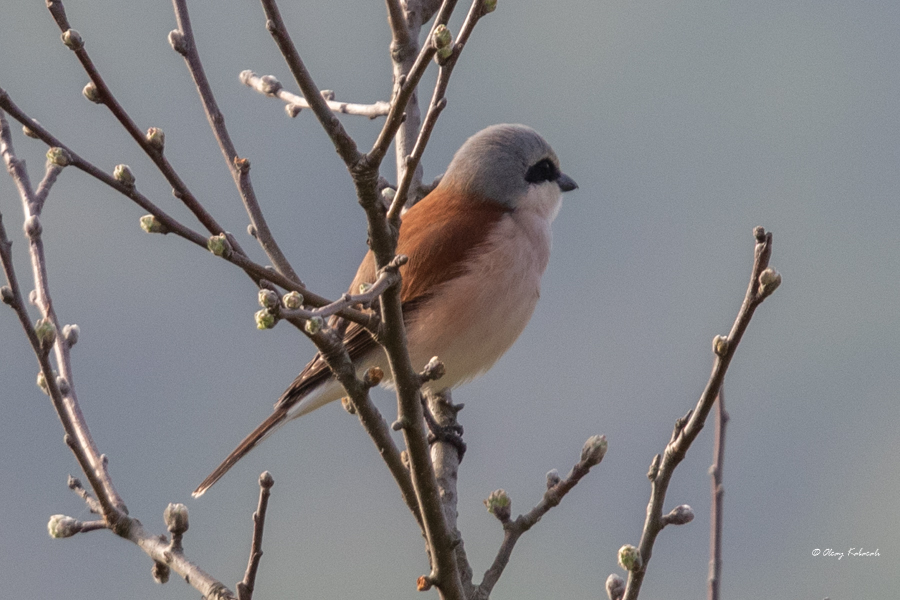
91 92
442 40
769 280
62 384
720 345
219 245
59 156
71 333
151 224
72 39
594 450
7 294
267 298
28 131
488 6
264 319
292 300
615 587
373 376
176 518
176 40
62 526
553 478
629 558
270 85
680 515
314 325
123 174
499 504
45 331
156 137
348 405
160 572
42 381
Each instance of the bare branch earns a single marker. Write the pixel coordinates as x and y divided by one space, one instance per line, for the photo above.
151 147
763 281
268 85
718 496
591 454
342 141
183 42
245 587
410 165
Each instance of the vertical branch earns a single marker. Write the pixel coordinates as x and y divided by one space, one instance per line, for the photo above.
718 494
183 42
62 390
763 281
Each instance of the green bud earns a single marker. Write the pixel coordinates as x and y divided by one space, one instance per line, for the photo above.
123 174
151 224
264 319
156 137
629 558
61 526
91 92
364 287
314 325
267 298
488 6
59 156
292 300
219 245
442 40
388 194
498 503
72 39
594 450
45 331
720 345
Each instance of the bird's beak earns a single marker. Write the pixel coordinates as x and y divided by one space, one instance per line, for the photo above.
566 183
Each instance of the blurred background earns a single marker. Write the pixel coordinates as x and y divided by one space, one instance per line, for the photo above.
685 124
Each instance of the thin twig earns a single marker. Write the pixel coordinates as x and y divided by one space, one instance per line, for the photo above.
62 393
763 282
155 153
342 141
718 497
254 270
591 455
245 587
268 85
66 404
438 103
184 43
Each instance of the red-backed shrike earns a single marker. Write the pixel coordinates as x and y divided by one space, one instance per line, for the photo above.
477 247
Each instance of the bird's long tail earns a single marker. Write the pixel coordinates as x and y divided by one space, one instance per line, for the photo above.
277 419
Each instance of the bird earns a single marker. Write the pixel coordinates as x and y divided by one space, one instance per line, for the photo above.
477 246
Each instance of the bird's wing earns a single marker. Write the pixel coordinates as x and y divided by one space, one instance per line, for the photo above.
436 246
437 235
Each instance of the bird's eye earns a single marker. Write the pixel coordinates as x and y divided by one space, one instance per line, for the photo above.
541 171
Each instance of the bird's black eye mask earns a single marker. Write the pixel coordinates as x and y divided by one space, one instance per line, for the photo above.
543 170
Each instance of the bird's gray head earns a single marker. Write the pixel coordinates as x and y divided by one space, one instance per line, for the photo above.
501 162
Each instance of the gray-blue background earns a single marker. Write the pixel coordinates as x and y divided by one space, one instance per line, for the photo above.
686 124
